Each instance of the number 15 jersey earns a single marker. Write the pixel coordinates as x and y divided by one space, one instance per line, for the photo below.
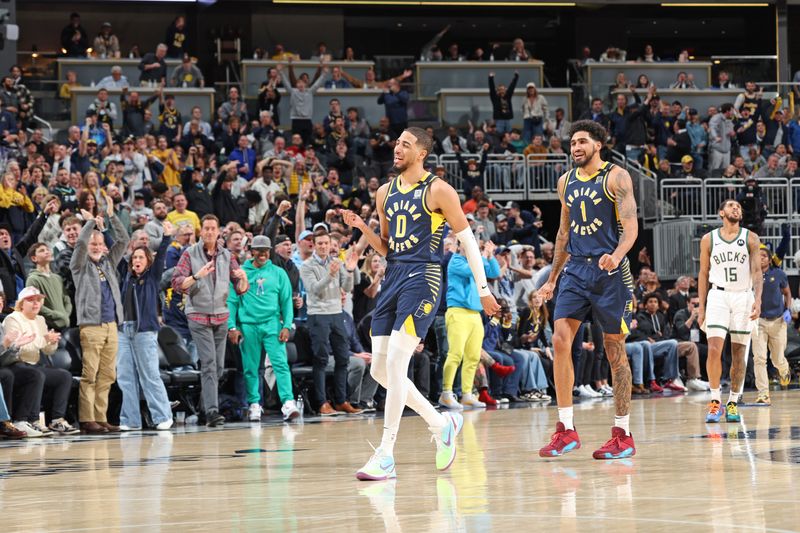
730 262
415 232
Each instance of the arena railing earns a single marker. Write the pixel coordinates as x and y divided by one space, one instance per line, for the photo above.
644 186
699 199
512 177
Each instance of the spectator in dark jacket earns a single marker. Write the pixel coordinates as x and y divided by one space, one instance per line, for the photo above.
137 358
502 112
226 207
596 114
74 38
176 37
133 109
153 66
679 144
395 100
12 265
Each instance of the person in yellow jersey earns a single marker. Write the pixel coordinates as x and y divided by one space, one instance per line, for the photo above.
180 215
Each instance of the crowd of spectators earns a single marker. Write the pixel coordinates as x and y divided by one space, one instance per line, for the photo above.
228 230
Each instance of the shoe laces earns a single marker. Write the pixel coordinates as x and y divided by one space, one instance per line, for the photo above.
732 409
615 441
713 407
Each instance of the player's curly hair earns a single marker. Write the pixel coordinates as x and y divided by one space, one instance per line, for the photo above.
596 131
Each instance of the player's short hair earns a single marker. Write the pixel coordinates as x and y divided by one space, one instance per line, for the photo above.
424 139
596 131
725 202
727 106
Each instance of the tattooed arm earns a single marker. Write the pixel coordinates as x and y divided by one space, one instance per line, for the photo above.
753 245
621 186
560 254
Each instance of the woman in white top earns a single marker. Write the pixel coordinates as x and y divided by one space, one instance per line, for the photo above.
535 113
34 339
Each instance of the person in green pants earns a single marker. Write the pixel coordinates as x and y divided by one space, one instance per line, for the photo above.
262 317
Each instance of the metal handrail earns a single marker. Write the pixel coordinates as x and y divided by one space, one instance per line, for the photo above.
49 136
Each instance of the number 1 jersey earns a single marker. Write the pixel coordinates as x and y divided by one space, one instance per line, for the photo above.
594 225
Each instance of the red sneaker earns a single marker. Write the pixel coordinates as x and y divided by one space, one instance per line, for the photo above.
655 387
503 370
620 445
484 397
563 441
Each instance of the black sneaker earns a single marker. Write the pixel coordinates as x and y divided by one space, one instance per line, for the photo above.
214 419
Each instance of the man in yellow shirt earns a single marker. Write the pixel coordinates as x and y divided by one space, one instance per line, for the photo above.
181 215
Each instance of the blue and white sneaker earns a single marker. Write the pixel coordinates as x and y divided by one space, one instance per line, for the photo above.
446 440
714 411
380 467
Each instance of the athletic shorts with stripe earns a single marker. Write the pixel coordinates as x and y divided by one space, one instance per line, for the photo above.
408 300
585 287
728 312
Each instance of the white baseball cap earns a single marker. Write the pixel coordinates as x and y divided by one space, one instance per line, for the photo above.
29 292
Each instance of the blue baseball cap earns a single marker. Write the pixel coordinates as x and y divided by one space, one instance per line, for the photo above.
304 235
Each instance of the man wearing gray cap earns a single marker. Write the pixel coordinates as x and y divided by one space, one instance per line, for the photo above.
262 317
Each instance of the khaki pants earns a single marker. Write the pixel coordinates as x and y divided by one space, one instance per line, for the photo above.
99 347
689 351
772 334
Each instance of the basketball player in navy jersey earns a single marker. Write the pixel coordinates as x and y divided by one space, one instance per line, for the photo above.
598 228
413 209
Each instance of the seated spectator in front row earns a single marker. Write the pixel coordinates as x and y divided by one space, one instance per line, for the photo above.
652 326
34 339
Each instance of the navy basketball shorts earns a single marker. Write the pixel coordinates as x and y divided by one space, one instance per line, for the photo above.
408 299
585 287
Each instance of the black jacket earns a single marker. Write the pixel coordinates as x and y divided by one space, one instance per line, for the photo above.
501 107
12 263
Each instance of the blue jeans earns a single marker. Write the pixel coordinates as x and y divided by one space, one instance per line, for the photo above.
634 153
503 126
667 349
532 127
510 383
533 376
437 364
137 366
4 416
635 352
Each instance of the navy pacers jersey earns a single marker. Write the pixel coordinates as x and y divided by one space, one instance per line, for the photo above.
594 225
594 230
410 292
415 232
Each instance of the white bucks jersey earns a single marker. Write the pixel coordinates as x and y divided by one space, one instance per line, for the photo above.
730 262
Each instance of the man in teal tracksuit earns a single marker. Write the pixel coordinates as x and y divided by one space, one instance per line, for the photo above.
262 317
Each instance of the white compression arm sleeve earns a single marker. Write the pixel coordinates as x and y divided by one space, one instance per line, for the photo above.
473 255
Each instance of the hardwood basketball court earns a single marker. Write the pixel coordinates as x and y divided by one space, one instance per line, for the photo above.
686 476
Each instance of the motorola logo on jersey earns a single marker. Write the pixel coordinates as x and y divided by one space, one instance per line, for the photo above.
399 212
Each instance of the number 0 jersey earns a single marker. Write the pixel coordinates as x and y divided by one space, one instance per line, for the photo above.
415 232
730 262
594 225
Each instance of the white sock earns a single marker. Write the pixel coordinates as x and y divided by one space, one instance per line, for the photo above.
622 422
565 417
715 395
733 397
388 440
